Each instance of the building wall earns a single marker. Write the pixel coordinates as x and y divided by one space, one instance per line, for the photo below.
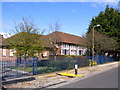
0 53
64 49
67 49
8 54
5 55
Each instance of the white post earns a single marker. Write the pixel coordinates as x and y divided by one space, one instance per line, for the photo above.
76 69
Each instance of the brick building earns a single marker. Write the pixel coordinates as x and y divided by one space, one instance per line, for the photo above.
67 44
5 54
60 43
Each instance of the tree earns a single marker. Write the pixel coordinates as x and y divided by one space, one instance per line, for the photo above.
102 42
109 21
26 39
54 28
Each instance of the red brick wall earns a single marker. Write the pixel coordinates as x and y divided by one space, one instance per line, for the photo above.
7 57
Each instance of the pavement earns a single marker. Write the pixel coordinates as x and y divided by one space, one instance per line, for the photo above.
108 79
52 80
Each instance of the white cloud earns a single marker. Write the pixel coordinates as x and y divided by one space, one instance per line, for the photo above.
5 35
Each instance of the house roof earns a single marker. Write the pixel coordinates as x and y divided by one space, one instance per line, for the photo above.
20 36
56 36
65 38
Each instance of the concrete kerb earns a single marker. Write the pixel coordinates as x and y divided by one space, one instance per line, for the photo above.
85 76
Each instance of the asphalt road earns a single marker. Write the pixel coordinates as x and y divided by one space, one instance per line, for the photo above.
108 79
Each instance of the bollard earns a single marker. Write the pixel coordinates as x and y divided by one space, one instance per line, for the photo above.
76 69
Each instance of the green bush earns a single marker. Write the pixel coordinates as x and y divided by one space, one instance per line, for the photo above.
59 64
62 64
41 70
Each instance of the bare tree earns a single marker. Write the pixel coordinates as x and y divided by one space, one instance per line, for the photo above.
54 28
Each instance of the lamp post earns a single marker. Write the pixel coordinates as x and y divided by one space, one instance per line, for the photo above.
93 41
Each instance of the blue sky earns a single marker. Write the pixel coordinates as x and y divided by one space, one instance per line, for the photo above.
74 17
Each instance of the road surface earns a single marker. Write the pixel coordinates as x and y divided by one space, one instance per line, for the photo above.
108 79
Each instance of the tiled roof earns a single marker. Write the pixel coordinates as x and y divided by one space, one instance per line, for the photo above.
65 37
53 37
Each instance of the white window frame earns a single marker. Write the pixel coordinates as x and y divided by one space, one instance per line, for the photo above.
4 52
63 52
11 52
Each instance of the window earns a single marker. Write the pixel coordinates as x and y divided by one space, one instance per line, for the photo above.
80 52
65 52
65 46
73 52
45 53
36 53
4 52
11 52
52 53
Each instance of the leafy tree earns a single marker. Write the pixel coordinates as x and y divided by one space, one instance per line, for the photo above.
26 39
109 21
102 42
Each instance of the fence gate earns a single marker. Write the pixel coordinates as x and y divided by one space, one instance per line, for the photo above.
17 68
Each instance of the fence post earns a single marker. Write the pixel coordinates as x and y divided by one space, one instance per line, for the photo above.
17 64
17 61
34 65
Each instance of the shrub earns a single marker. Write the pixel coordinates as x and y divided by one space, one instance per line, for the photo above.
60 64
42 70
